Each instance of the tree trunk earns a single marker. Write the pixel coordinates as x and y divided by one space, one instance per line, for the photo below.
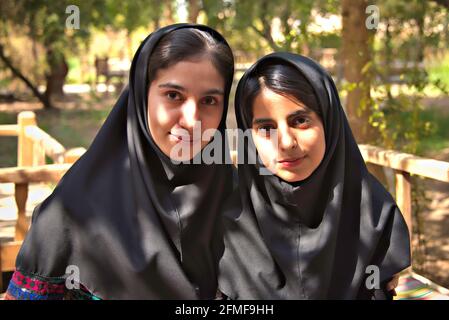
129 44
16 72
356 50
57 74
388 59
421 36
169 13
266 27
194 10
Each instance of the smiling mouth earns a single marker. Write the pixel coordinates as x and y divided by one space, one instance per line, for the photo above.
291 162
178 138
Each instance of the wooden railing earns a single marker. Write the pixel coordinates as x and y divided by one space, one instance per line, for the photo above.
34 145
405 165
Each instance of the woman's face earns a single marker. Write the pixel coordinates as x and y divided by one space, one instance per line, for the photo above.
184 98
300 136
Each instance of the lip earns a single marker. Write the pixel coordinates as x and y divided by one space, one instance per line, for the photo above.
177 138
291 162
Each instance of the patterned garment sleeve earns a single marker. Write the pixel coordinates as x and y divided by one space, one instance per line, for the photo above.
31 287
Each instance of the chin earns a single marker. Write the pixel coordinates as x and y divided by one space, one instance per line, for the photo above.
291 177
185 158
182 158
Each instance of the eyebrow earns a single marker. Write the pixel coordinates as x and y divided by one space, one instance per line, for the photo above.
172 86
262 120
302 112
215 91
181 88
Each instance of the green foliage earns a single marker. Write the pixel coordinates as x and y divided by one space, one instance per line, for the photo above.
130 15
45 21
325 40
399 117
400 123
254 19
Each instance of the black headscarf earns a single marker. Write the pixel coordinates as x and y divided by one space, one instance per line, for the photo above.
136 225
313 239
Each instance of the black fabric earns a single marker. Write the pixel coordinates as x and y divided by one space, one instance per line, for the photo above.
312 239
136 225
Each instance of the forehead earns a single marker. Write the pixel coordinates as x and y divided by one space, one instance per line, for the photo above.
198 74
271 104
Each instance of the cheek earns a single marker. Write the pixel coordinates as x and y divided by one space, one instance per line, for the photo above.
316 143
160 117
267 148
210 119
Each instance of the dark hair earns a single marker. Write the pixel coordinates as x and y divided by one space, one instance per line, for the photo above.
190 43
281 78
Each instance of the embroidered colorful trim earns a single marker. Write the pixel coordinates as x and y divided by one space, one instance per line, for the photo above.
31 287
23 287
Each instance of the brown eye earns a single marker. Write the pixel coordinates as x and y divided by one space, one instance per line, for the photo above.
301 122
209 100
173 95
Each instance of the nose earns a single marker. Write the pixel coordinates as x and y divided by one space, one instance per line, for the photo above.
189 114
286 139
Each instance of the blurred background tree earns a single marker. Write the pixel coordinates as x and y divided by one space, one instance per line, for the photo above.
43 23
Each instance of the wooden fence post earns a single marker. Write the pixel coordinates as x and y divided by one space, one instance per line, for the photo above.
21 195
29 152
404 200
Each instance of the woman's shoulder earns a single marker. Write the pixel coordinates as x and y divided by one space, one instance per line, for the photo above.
383 207
378 192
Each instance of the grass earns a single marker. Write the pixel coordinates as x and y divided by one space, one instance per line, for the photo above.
72 128
439 70
438 140
8 145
